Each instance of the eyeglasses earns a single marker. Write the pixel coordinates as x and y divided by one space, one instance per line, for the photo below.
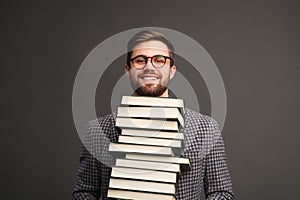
158 61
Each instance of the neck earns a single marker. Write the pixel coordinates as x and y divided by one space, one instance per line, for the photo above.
165 94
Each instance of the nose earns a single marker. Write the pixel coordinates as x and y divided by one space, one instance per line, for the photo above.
149 64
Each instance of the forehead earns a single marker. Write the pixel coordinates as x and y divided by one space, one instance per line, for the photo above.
150 48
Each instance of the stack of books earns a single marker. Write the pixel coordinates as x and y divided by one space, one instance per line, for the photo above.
148 161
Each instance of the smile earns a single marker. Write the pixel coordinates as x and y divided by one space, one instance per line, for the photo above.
149 78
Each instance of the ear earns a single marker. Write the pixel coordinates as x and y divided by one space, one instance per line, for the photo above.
172 71
127 70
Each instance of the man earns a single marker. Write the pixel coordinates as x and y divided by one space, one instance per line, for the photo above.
150 67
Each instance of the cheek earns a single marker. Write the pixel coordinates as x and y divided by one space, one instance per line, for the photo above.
136 76
133 73
167 73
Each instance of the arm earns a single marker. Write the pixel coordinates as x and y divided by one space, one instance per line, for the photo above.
88 174
88 183
217 181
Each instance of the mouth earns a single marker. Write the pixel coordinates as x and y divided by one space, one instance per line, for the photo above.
149 77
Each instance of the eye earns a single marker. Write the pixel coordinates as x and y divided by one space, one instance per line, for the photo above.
159 59
139 60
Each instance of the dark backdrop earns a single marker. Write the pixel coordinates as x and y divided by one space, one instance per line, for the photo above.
255 44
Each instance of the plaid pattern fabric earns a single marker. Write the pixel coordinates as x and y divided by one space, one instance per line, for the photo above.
204 147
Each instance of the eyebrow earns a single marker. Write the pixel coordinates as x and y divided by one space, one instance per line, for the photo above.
149 56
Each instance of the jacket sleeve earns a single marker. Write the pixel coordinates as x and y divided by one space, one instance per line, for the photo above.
88 174
217 181
87 183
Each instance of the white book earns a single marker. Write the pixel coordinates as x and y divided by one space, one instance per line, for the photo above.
151 112
150 141
135 148
153 134
153 101
147 124
144 174
178 160
184 162
125 194
139 164
147 186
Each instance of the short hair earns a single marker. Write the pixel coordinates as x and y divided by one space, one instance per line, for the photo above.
145 36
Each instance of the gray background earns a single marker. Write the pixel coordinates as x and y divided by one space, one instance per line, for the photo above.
255 44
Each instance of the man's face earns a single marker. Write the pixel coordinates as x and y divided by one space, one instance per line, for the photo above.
151 81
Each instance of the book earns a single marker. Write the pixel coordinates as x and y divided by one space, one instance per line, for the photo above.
152 113
153 101
135 148
150 141
138 185
184 162
153 134
125 194
147 124
140 164
143 174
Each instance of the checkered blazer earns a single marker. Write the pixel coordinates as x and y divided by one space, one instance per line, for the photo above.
204 147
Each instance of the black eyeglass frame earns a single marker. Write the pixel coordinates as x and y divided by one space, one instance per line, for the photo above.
147 57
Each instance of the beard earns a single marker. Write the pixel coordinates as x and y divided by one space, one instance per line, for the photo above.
152 90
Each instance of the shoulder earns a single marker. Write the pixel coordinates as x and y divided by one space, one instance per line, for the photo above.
197 119
201 131
102 122
103 127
